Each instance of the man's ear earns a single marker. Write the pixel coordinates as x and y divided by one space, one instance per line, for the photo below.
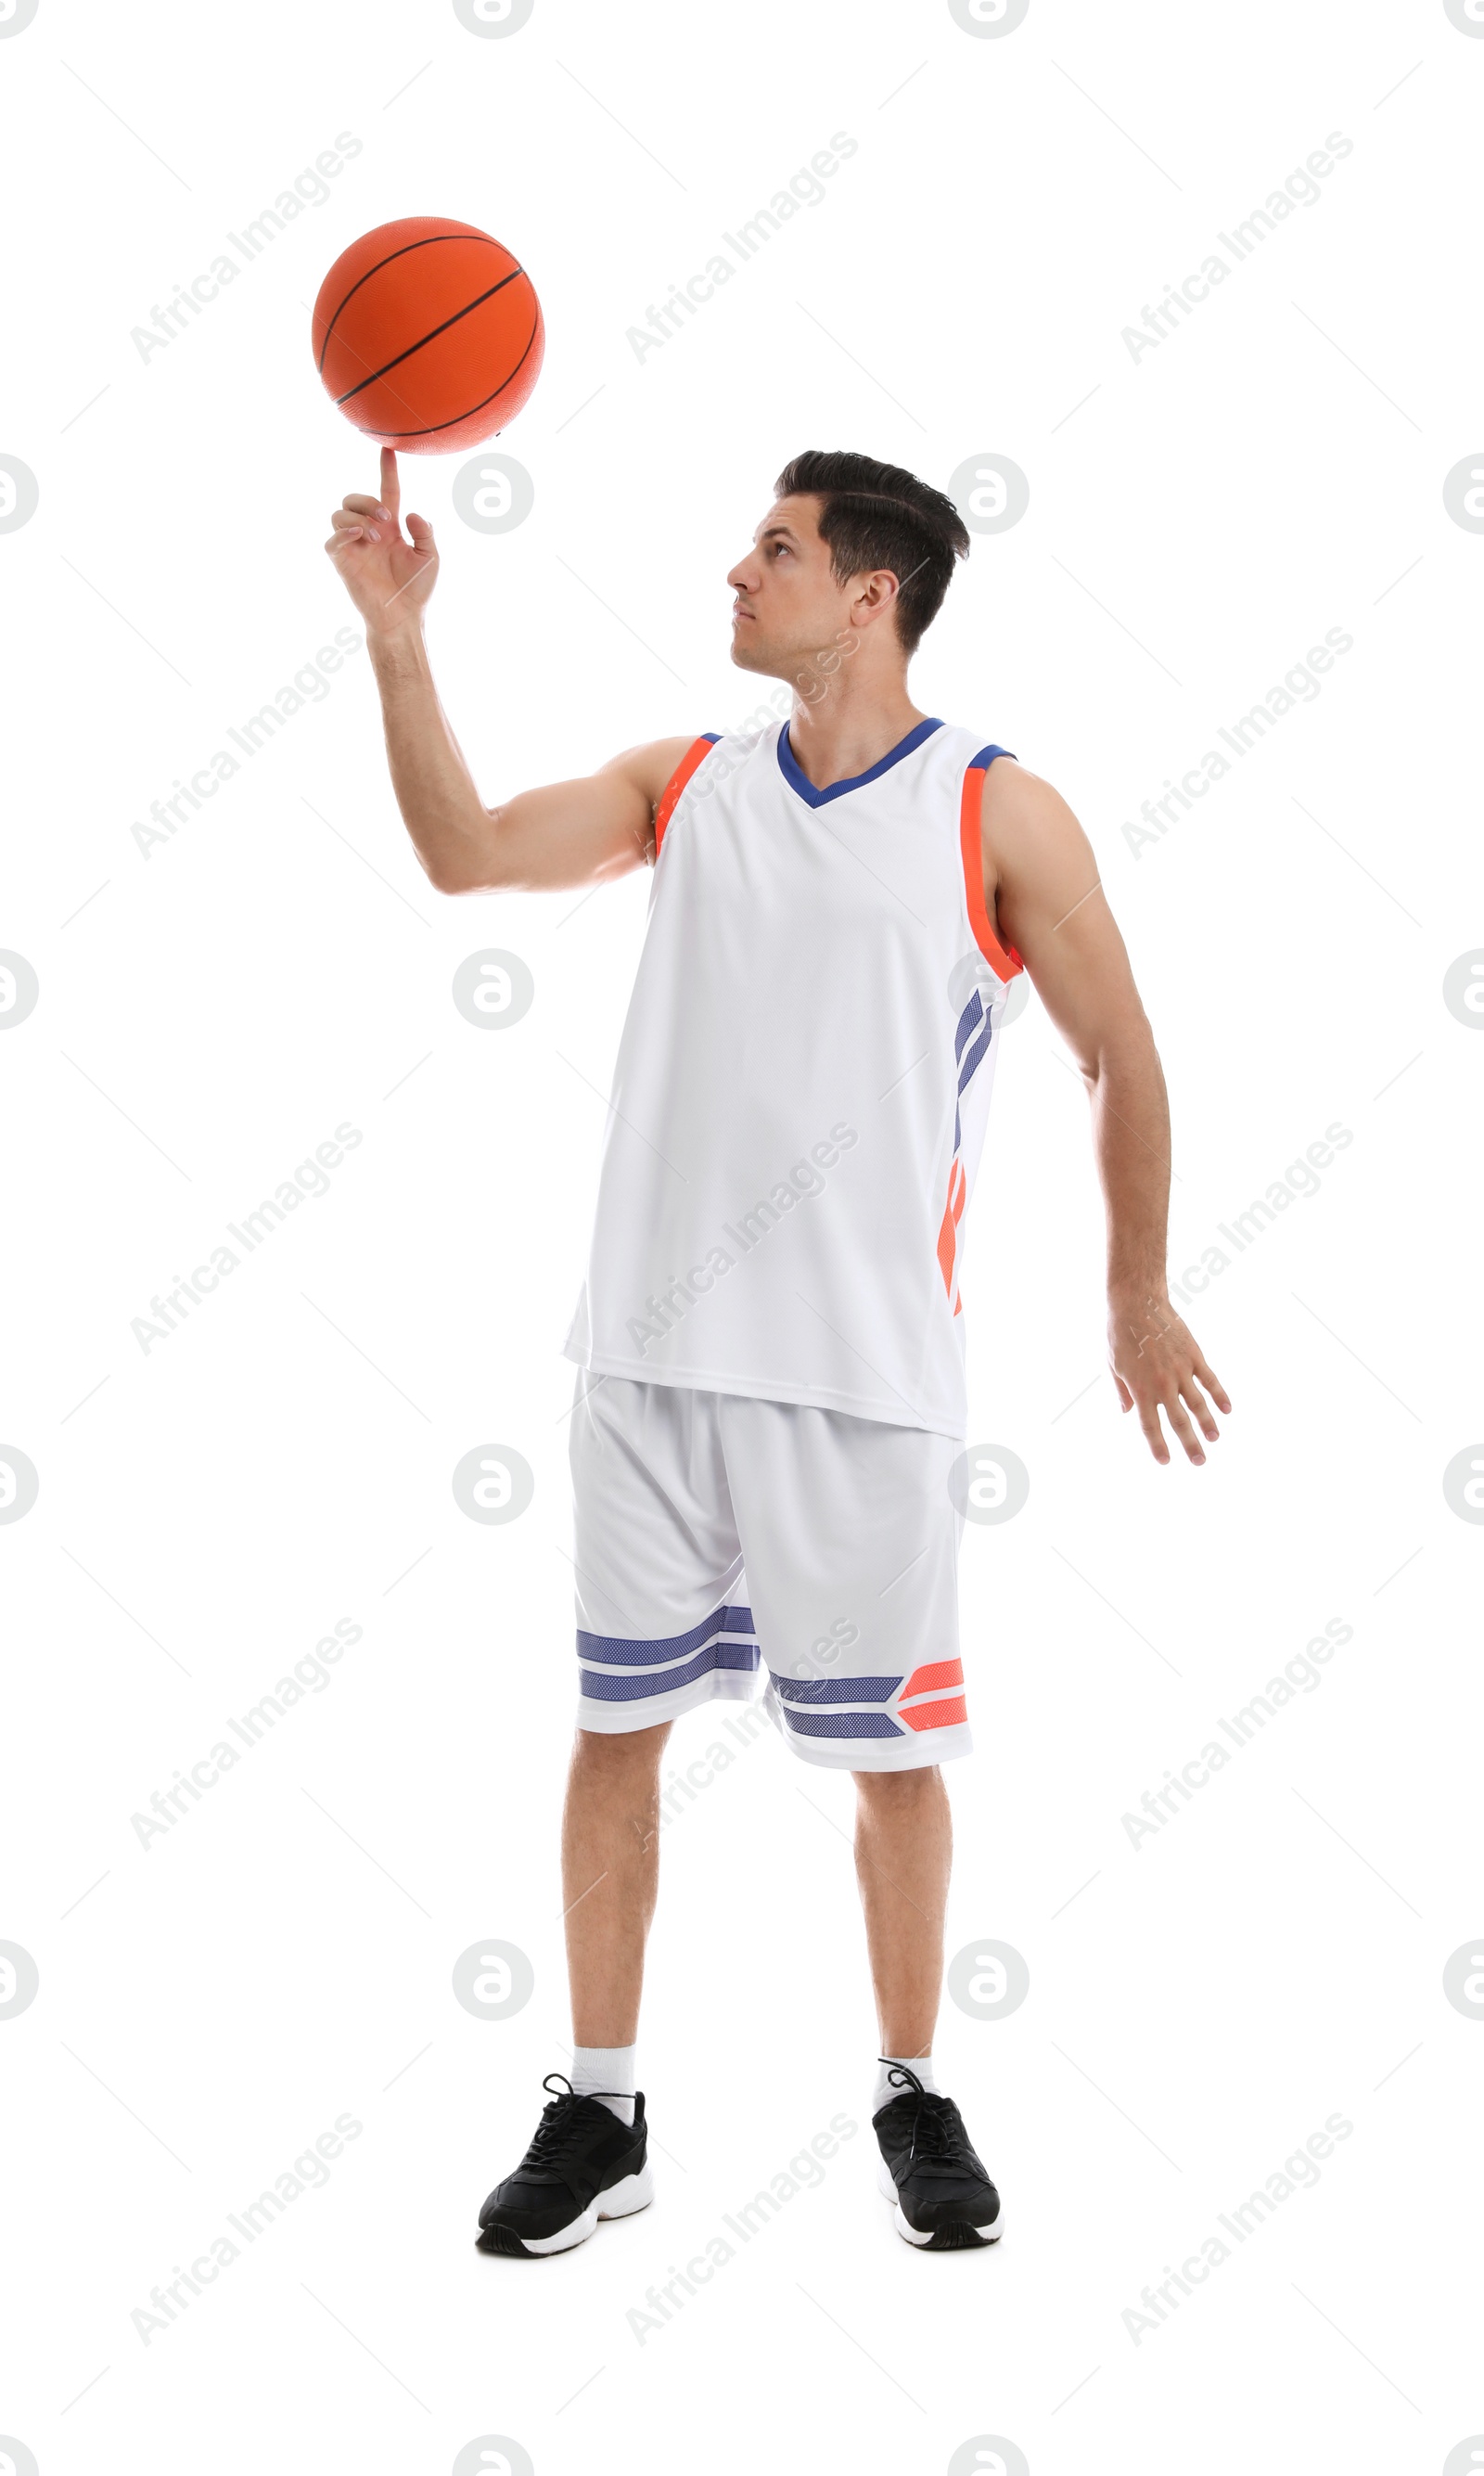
877 595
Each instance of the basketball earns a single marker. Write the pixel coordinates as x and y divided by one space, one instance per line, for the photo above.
428 335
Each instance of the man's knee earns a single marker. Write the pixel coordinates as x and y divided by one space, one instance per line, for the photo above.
613 1786
892 1792
629 1754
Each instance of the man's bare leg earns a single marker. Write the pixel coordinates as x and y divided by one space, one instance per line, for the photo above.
945 2201
588 2160
610 1878
903 1853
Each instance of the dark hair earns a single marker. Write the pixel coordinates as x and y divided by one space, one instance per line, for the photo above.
877 516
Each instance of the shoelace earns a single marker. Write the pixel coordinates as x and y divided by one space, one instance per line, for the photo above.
938 2134
558 2128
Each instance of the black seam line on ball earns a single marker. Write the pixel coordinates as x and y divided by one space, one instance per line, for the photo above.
436 427
440 330
426 242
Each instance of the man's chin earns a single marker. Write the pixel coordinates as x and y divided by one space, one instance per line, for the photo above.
748 656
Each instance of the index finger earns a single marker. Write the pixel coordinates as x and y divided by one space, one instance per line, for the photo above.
391 487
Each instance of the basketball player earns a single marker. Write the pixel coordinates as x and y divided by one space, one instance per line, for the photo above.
768 1436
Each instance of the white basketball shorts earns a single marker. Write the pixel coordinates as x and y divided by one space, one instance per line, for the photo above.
726 1546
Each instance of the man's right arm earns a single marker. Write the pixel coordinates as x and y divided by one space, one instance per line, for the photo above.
581 833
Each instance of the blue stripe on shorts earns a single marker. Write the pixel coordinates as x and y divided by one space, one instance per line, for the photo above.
842 1724
723 1640
836 1689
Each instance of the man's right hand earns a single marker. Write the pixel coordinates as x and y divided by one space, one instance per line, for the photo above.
388 580
581 833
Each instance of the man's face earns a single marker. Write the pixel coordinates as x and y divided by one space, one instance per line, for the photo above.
788 602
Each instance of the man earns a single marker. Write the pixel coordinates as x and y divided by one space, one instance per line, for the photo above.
767 1443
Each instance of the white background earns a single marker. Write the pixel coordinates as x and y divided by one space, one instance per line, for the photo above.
208 1015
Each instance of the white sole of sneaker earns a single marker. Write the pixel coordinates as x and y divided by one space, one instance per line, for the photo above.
917 2235
619 2201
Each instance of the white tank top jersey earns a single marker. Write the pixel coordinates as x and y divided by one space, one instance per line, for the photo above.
803 1083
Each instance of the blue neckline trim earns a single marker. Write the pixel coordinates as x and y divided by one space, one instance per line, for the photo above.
798 780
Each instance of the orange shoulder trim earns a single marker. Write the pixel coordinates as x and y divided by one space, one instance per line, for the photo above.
1004 958
698 748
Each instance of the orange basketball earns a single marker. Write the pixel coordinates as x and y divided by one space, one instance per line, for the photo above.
428 335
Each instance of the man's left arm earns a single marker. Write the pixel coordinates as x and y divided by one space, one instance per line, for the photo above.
1042 888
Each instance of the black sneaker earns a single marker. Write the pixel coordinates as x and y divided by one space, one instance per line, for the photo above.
944 2201
584 2163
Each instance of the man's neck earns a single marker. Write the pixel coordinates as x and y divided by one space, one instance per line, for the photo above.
850 729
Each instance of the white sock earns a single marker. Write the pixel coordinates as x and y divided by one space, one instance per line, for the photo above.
605 2072
886 2089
